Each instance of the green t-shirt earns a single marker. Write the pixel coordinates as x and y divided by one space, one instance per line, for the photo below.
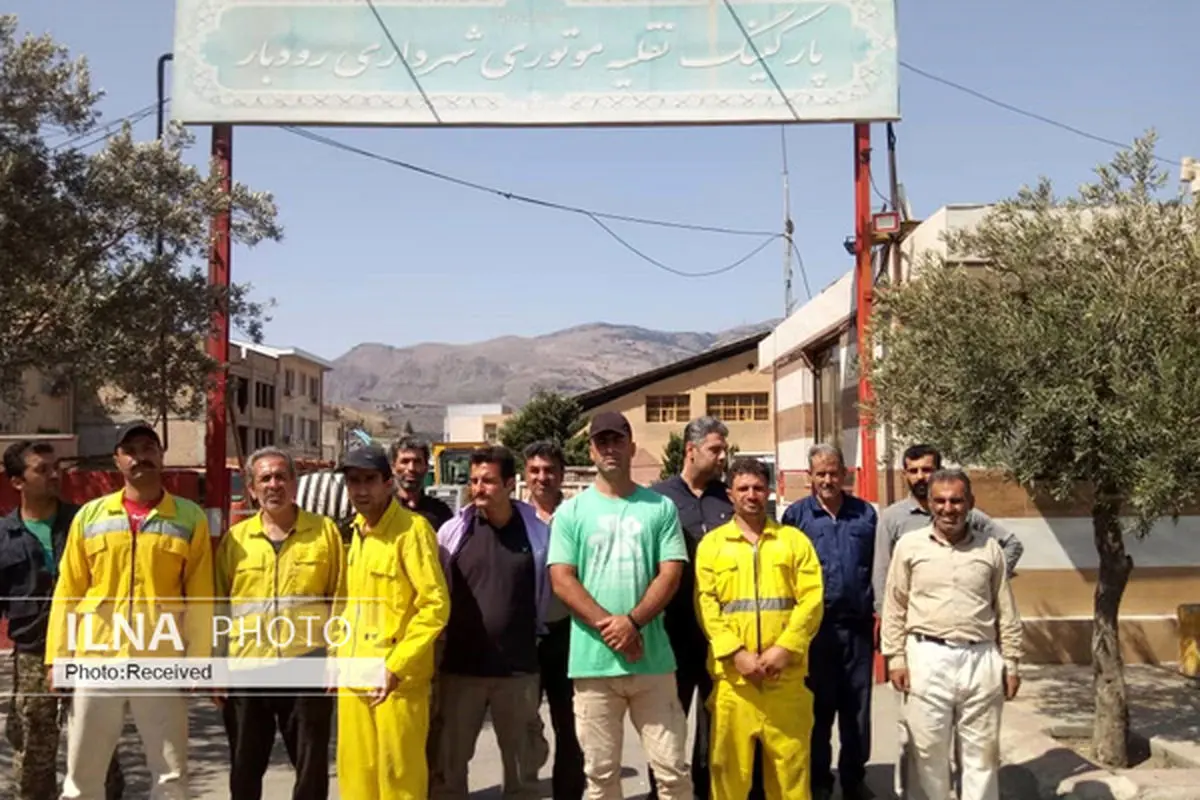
616 545
41 528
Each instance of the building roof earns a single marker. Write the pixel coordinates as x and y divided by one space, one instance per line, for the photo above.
828 312
598 397
280 352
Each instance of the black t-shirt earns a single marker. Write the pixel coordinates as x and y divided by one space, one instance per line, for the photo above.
492 630
433 510
697 516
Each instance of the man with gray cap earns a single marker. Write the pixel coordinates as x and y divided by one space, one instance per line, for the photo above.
617 555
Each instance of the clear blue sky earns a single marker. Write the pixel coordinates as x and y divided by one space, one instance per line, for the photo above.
377 254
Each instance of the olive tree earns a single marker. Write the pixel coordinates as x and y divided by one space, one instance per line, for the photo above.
85 293
1065 355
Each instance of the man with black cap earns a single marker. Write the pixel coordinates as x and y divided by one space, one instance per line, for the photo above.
617 555
396 599
139 558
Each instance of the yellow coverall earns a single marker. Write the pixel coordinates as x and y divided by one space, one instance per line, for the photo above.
754 596
395 604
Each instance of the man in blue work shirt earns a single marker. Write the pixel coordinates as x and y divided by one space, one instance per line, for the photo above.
842 529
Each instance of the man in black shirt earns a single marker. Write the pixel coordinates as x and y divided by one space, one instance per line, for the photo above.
700 495
410 465
31 545
494 556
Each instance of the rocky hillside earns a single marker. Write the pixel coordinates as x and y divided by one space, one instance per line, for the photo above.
508 369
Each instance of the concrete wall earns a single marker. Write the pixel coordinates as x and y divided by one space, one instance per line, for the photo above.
735 375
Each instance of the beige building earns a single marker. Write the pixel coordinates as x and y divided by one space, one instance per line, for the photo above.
724 382
474 422
810 360
49 409
275 398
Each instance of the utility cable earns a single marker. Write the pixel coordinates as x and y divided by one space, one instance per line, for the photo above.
534 201
762 62
400 55
132 118
1025 112
803 271
655 262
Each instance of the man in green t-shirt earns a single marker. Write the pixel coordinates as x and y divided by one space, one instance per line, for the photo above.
617 554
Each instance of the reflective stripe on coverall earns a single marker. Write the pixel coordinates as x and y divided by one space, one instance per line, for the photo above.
279 602
754 596
395 605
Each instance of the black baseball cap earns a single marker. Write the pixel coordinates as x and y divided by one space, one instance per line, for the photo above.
369 456
610 422
132 428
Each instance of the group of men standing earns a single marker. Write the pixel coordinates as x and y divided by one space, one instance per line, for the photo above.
621 601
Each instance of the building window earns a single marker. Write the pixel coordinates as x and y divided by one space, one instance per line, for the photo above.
314 389
264 395
490 432
750 407
289 428
829 397
314 432
668 408
242 393
263 437
289 382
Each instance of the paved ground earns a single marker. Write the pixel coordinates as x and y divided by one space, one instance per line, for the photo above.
1050 695
209 758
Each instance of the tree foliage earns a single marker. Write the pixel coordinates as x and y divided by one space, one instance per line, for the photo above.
553 417
672 457
1068 360
84 294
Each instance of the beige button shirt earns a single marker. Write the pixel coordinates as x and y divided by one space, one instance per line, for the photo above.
958 592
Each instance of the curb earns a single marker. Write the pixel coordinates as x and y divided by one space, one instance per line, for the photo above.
1051 770
1174 752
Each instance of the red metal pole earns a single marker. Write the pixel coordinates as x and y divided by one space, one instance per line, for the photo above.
867 486
865 285
216 475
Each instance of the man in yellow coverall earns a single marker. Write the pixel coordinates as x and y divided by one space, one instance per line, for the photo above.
394 605
759 598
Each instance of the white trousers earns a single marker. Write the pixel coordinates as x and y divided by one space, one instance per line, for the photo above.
94 728
956 695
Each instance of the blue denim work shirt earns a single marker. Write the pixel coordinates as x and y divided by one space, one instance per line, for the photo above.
845 545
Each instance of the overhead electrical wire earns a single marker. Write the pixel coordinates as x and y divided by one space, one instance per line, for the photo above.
762 62
106 129
978 95
596 217
521 198
400 55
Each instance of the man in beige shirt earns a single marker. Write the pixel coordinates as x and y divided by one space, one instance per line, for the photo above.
951 635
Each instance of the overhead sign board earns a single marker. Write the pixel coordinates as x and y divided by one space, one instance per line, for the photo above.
533 62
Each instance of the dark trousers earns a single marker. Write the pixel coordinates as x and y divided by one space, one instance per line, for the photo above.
568 781
304 721
839 673
692 679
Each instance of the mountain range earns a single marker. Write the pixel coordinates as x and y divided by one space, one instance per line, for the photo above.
414 383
